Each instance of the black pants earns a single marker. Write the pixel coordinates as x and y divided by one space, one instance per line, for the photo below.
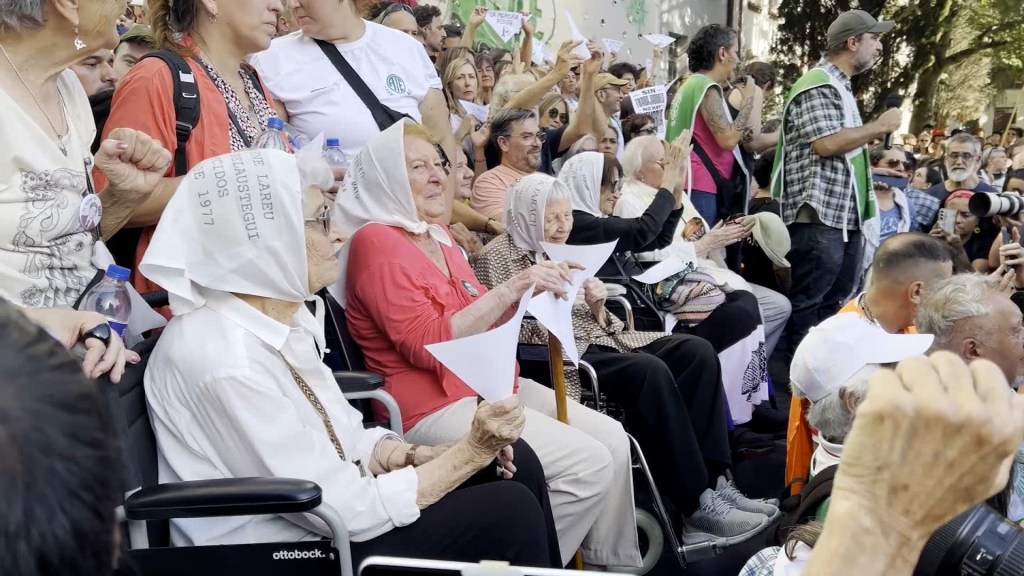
485 518
671 391
732 321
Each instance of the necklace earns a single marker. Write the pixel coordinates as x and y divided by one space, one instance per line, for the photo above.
867 311
60 137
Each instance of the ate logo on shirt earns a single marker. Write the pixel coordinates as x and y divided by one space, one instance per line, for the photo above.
395 85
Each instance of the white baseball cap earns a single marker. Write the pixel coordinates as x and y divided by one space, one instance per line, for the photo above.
835 350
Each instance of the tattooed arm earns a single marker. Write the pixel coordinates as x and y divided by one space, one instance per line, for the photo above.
743 129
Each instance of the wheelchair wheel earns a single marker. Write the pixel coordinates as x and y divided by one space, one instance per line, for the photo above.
652 541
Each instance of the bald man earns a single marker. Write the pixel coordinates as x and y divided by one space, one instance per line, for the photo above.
904 266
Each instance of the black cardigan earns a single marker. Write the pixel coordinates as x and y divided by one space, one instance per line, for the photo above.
653 230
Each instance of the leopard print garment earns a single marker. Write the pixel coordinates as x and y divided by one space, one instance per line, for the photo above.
501 259
261 110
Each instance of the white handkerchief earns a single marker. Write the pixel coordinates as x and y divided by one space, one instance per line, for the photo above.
486 362
582 51
541 54
556 314
505 24
475 110
661 270
659 40
613 46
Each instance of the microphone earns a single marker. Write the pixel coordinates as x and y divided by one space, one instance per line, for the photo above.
892 101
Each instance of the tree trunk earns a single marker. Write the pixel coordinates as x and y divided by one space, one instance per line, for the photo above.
924 98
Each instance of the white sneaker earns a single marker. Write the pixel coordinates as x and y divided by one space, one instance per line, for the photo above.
730 494
717 519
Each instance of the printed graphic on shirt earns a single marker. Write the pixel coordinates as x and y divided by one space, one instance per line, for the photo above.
396 85
51 237
755 373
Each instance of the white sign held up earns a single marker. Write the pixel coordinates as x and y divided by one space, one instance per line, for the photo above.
581 51
613 46
505 24
651 101
659 40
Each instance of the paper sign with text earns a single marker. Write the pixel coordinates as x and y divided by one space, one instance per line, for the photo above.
651 101
505 24
613 46
659 40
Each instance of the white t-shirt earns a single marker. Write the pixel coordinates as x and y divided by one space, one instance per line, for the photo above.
45 251
393 64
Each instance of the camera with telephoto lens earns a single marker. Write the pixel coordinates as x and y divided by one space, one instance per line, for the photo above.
986 204
979 542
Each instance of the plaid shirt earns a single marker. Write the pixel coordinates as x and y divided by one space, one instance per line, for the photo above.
926 209
823 183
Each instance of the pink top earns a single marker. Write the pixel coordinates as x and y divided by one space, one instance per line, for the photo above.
490 188
724 159
398 302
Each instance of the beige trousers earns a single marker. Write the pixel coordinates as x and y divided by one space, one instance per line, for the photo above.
587 466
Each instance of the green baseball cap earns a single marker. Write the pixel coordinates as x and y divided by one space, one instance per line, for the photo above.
139 33
855 23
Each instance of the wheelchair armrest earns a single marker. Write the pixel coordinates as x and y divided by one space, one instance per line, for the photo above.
352 382
156 298
223 497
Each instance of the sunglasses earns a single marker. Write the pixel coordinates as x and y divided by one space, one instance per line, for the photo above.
894 163
645 131
554 114
323 218
391 10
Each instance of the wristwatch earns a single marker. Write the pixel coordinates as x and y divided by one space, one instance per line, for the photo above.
100 332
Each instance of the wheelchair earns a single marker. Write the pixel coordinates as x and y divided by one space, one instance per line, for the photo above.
149 505
651 527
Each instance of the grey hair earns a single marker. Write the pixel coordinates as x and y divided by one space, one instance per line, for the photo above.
965 138
505 90
314 172
951 301
633 157
831 415
577 147
21 15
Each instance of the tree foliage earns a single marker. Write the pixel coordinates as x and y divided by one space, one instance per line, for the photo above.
933 39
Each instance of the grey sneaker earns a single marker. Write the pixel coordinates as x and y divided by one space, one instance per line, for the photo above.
730 494
716 519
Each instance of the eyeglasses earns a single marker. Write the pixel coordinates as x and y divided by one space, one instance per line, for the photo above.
962 156
554 114
645 131
446 163
323 217
529 137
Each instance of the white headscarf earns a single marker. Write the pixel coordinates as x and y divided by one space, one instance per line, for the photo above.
377 191
235 224
582 174
525 203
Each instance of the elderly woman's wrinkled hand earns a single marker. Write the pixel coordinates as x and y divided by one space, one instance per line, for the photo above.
69 327
548 276
721 236
133 162
496 425
931 439
468 240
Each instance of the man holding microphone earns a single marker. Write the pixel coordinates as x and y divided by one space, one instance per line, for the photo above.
822 174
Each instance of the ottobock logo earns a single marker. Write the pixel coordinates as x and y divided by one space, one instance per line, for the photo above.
298 555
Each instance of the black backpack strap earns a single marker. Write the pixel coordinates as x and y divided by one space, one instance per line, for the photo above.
185 89
804 506
382 115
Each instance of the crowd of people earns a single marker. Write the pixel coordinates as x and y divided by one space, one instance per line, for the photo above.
132 139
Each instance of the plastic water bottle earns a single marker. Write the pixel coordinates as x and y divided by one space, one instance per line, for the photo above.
336 159
295 138
110 298
274 137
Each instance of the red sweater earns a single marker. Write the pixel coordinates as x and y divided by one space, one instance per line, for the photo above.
399 302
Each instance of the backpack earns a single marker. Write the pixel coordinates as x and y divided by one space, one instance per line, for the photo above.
804 506
185 90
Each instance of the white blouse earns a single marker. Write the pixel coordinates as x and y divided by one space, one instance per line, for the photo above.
224 405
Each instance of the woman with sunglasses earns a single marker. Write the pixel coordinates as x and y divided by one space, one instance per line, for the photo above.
638 125
890 174
554 112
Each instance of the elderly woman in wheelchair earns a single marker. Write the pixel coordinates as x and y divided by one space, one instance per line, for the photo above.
405 285
692 301
237 388
669 385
